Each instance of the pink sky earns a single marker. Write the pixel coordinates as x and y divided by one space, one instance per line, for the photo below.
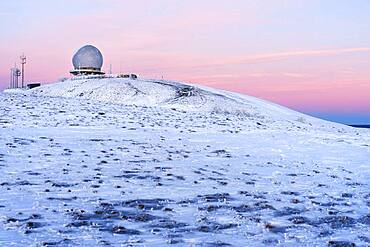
309 55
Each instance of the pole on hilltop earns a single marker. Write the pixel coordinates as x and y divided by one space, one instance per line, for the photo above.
23 62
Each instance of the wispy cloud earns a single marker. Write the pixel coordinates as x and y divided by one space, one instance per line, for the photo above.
303 53
189 62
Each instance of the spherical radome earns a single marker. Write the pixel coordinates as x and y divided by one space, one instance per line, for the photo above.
88 57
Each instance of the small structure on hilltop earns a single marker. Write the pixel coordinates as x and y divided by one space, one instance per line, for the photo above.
88 60
131 76
33 85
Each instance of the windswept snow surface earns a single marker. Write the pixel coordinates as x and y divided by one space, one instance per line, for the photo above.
154 163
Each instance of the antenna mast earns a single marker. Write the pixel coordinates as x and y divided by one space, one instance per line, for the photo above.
15 74
11 78
23 62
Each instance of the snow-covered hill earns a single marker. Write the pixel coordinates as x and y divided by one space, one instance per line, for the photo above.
154 163
163 93
178 95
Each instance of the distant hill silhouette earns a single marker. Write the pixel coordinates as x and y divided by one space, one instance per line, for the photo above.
360 126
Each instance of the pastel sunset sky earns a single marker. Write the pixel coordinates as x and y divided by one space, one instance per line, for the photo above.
309 55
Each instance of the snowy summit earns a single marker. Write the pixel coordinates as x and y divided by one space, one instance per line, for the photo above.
118 161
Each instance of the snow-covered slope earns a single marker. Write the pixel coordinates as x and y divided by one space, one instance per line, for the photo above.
154 163
182 96
160 93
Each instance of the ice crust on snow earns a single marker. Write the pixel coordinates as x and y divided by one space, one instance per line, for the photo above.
154 163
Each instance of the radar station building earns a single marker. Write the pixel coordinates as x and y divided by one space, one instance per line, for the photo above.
88 60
